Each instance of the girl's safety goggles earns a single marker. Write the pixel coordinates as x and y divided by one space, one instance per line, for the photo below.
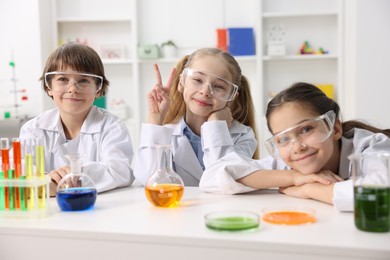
310 132
219 88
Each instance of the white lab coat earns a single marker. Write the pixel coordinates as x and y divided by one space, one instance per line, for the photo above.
104 140
222 175
217 141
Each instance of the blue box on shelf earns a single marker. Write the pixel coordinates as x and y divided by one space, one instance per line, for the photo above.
241 41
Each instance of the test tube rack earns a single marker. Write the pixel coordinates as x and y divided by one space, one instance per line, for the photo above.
23 190
26 197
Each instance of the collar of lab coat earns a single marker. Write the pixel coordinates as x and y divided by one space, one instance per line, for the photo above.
359 141
92 123
190 164
346 149
235 128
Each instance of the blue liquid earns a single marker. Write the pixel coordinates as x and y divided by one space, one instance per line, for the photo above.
74 199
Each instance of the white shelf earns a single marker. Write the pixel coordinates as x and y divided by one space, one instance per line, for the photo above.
318 22
135 22
110 27
118 61
161 60
245 58
301 57
92 20
175 60
298 14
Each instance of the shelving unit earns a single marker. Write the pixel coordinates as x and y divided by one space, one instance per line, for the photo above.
316 21
111 29
191 25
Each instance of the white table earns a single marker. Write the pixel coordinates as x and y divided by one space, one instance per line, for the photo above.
124 225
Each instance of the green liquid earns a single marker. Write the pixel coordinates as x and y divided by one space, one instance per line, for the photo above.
372 208
232 223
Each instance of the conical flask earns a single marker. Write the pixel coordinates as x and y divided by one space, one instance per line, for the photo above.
165 187
76 191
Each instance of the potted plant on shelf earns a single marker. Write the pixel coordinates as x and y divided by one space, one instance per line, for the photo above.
168 49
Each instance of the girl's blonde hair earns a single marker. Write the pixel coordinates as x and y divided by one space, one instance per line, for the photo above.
242 107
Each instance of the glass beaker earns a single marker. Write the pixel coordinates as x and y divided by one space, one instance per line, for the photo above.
371 178
76 191
165 187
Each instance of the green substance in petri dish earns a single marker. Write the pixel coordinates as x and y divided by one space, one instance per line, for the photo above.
372 209
232 223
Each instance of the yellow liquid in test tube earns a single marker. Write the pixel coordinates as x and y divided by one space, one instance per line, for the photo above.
40 163
28 165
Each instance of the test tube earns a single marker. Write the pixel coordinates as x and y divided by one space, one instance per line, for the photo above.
28 172
4 145
11 191
22 195
40 164
17 150
2 195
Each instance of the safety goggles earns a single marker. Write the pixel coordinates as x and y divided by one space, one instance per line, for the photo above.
308 133
85 83
219 88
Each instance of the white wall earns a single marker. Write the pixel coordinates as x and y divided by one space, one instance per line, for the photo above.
20 34
367 61
373 61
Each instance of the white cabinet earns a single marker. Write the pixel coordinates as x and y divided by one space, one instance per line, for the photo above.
318 22
191 25
110 27
315 21
100 24
124 24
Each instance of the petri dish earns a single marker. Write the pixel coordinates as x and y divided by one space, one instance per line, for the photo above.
232 220
289 216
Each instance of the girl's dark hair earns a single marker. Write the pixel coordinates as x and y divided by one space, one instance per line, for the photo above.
76 56
311 96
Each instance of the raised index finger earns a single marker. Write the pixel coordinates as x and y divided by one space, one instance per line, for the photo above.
171 78
157 74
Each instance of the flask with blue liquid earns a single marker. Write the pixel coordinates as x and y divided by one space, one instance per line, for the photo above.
76 191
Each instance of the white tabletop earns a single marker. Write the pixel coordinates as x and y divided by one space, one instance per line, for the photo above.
124 225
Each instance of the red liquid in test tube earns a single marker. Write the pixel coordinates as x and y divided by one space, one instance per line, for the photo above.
4 144
18 167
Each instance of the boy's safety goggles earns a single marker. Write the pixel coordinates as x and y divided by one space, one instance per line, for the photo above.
308 133
219 88
85 83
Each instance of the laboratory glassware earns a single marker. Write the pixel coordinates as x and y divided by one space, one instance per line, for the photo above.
76 191
371 181
165 187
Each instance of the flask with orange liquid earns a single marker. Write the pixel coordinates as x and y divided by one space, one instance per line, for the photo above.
165 187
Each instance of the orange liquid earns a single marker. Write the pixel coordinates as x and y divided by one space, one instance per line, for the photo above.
18 169
289 218
165 195
5 162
